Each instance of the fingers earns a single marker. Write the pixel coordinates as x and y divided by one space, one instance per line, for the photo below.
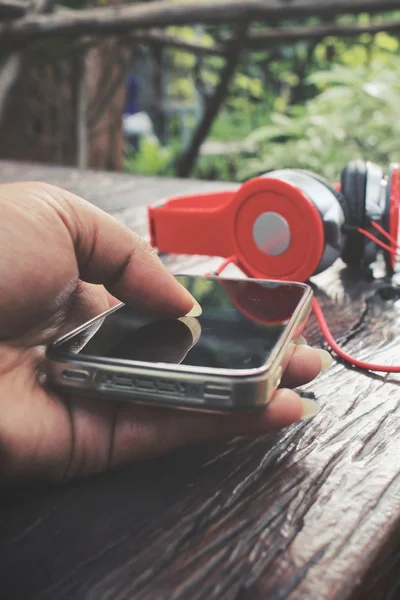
143 432
304 365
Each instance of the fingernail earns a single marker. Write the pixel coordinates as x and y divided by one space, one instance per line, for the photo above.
326 359
310 409
194 327
301 341
196 310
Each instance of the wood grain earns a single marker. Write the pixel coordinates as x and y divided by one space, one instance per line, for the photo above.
311 513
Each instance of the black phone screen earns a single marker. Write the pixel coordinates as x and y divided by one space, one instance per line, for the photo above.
241 322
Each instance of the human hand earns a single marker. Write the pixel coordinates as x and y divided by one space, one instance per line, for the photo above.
62 262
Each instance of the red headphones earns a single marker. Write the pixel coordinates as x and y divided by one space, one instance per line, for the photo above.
288 224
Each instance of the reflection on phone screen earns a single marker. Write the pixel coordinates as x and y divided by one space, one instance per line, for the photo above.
241 323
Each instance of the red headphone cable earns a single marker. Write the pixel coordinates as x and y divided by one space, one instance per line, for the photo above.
323 325
231 260
393 249
385 233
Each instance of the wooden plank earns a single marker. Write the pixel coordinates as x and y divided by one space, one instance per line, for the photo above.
311 513
111 192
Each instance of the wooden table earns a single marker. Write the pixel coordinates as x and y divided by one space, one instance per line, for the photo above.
311 513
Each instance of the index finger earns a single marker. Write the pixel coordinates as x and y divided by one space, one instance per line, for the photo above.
110 254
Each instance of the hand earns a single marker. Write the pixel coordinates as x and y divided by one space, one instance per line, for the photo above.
63 261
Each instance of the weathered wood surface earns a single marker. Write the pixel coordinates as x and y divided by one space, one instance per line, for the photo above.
311 513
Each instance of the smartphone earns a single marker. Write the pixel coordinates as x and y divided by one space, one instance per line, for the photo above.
230 358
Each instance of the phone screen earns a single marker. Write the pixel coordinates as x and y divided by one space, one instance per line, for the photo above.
241 322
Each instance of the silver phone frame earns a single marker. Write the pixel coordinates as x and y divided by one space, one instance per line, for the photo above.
178 386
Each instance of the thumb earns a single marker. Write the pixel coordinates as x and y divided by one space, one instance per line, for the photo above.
109 253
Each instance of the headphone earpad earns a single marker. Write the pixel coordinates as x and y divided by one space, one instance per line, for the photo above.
354 189
338 195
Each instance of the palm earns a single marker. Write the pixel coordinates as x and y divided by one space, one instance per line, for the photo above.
46 433
61 435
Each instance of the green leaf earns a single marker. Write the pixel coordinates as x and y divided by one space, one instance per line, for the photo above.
386 42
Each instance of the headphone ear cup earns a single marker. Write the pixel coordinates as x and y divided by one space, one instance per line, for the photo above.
354 189
338 195
318 212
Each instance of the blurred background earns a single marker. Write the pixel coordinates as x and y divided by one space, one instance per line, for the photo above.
197 88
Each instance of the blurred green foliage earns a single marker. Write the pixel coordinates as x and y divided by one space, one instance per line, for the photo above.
313 105
151 159
354 115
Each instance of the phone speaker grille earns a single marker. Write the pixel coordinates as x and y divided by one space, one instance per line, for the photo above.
140 385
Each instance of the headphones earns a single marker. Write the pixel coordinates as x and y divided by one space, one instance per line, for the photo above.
288 224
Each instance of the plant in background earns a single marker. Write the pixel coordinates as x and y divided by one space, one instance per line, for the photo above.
312 104
151 159
354 115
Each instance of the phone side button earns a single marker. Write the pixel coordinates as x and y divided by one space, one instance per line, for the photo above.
276 378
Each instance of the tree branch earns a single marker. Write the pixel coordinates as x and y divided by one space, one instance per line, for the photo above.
162 13
262 39
185 162
270 37
158 38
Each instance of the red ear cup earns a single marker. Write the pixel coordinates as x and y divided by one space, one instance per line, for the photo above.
271 230
390 220
331 206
